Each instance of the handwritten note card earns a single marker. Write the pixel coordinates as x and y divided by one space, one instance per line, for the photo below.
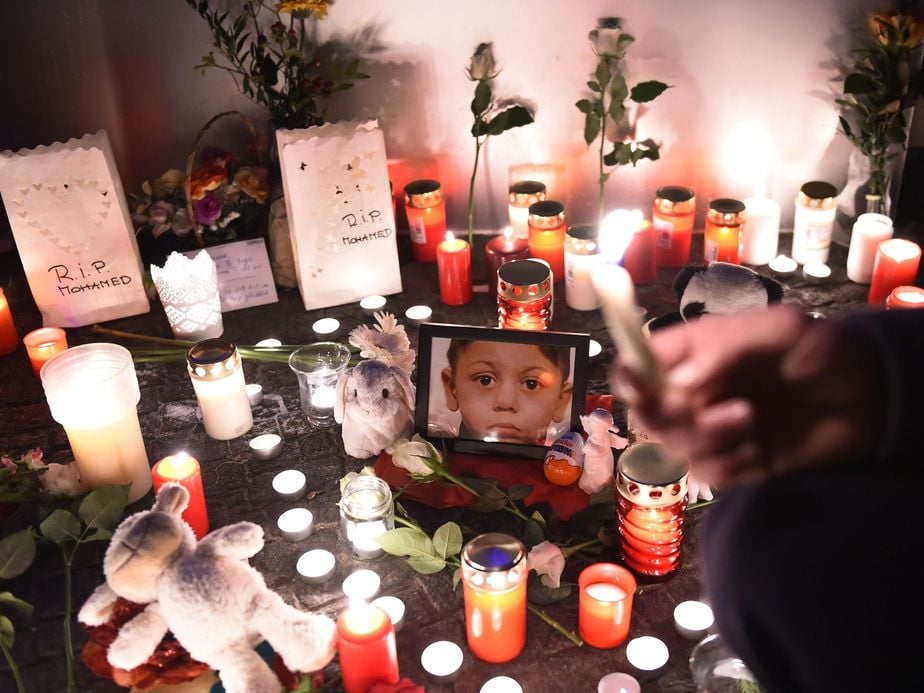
245 278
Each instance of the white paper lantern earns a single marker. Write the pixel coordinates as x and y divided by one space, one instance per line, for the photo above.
188 290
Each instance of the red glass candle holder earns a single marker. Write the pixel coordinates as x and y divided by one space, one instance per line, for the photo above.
896 263
524 295
639 258
184 470
651 497
426 217
903 297
605 604
9 335
672 219
42 344
499 251
722 236
547 235
367 648
454 267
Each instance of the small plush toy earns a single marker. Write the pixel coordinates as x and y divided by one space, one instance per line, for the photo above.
216 605
602 437
723 288
374 403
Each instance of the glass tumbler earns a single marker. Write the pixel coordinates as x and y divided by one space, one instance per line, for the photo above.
318 367
716 669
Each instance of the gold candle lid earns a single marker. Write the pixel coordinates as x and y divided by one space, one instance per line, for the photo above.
547 214
524 193
423 193
726 211
817 194
648 476
212 359
674 199
524 280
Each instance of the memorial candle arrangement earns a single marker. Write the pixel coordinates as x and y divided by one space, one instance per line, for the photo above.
869 231
605 604
651 497
813 223
426 217
722 236
366 512
217 375
188 290
524 295
501 250
454 267
494 574
547 235
9 335
581 256
367 648
92 390
672 219
522 195
896 263
42 344
184 470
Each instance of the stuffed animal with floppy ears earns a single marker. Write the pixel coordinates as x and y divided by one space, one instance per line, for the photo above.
723 288
216 605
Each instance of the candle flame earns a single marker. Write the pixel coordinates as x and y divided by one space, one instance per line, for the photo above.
450 236
508 233
619 226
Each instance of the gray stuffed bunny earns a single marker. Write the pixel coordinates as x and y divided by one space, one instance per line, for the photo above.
374 403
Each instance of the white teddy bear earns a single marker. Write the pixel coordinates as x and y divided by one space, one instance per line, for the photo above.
207 595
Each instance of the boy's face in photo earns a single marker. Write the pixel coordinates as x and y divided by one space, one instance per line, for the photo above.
508 393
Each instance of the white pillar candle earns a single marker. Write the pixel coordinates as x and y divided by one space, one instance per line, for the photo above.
579 288
295 524
647 653
254 393
442 660
214 366
868 232
501 684
371 304
266 447
415 315
325 328
395 609
290 484
693 619
188 290
618 682
783 265
760 234
362 584
816 272
316 566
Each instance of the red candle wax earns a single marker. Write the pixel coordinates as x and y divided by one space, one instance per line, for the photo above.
896 264
672 219
722 236
639 258
605 604
42 344
426 217
501 250
547 235
9 335
905 297
367 649
454 267
184 469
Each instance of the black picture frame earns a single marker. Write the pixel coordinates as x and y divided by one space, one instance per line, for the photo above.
433 416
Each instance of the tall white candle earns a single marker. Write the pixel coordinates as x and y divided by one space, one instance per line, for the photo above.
111 453
760 234
869 231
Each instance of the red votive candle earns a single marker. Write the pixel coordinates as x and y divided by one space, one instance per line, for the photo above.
426 217
454 267
605 604
722 236
42 344
639 258
501 250
896 264
367 649
905 297
9 335
184 470
547 235
672 218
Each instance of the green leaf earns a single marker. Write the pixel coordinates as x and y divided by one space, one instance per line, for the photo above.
17 552
519 491
857 83
585 106
61 526
426 565
100 535
513 117
618 89
594 86
591 128
603 72
102 508
447 540
406 541
482 98
533 533
647 91
22 606
617 110
845 126
7 632
456 578
490 499
541 595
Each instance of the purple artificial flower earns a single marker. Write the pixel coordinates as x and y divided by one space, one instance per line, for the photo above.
207 210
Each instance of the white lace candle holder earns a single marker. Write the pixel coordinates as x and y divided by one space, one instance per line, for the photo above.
188 290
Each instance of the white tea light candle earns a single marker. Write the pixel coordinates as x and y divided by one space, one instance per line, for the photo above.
416 315
254 393
501 684
595 349
392 606
783 265
270 342
295 524
325 327
316 566
693 619
290 484
816 272
647 653
618 682
266 447
442 660
371 304
362 584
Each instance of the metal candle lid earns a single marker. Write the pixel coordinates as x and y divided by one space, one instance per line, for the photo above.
493 553
726 211
423 193
647 475
524 193
817 194
212 359
524 280
674 199
546 214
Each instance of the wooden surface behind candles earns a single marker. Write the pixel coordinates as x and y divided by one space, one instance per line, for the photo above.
9 335
896 263
495 622
184 470
367 649
454 267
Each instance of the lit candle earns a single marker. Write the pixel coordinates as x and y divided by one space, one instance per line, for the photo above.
184 470
905 297
217 375
442 660
500 250
581 256
722 235
426 217
522 195
362 584
254 393
290 484
9 335
672 219
316 566
44 343
692 619
595 349
783 265
325 328
367 648
295 524
454 267
266 446
501 684
639 258
647 653
524 295
366 513
896 264
813 222
760 235
269 342
816 272
416 315
869 231
324 397
623 319
605 604
618 682
371 304
392 606
547 235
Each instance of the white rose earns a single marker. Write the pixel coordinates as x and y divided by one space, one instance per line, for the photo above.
482 63
407 455
62 479
608 39
548 561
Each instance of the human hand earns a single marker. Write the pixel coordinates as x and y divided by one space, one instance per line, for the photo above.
756 394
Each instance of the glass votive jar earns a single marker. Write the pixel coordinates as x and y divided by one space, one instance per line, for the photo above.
426 217
547 235
716 668
813 223
651 497
605 604
42 344
218 379
522 195
581 256
318 367
524 295
722 236
672 219
92 390
494 574
366 512
500 250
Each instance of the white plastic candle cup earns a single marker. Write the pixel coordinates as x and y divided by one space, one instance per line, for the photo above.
501 684
395 609
318 367
92 390
266 447
254 393
372 304
647 654
693 619
416 315
295 524
217 376
290 484
618 682
362 584
325 328
442 661
869 231
188 290
316 566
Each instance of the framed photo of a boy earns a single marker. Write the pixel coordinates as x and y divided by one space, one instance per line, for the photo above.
493 391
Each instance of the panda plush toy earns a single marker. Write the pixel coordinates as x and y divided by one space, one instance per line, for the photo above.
723 288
